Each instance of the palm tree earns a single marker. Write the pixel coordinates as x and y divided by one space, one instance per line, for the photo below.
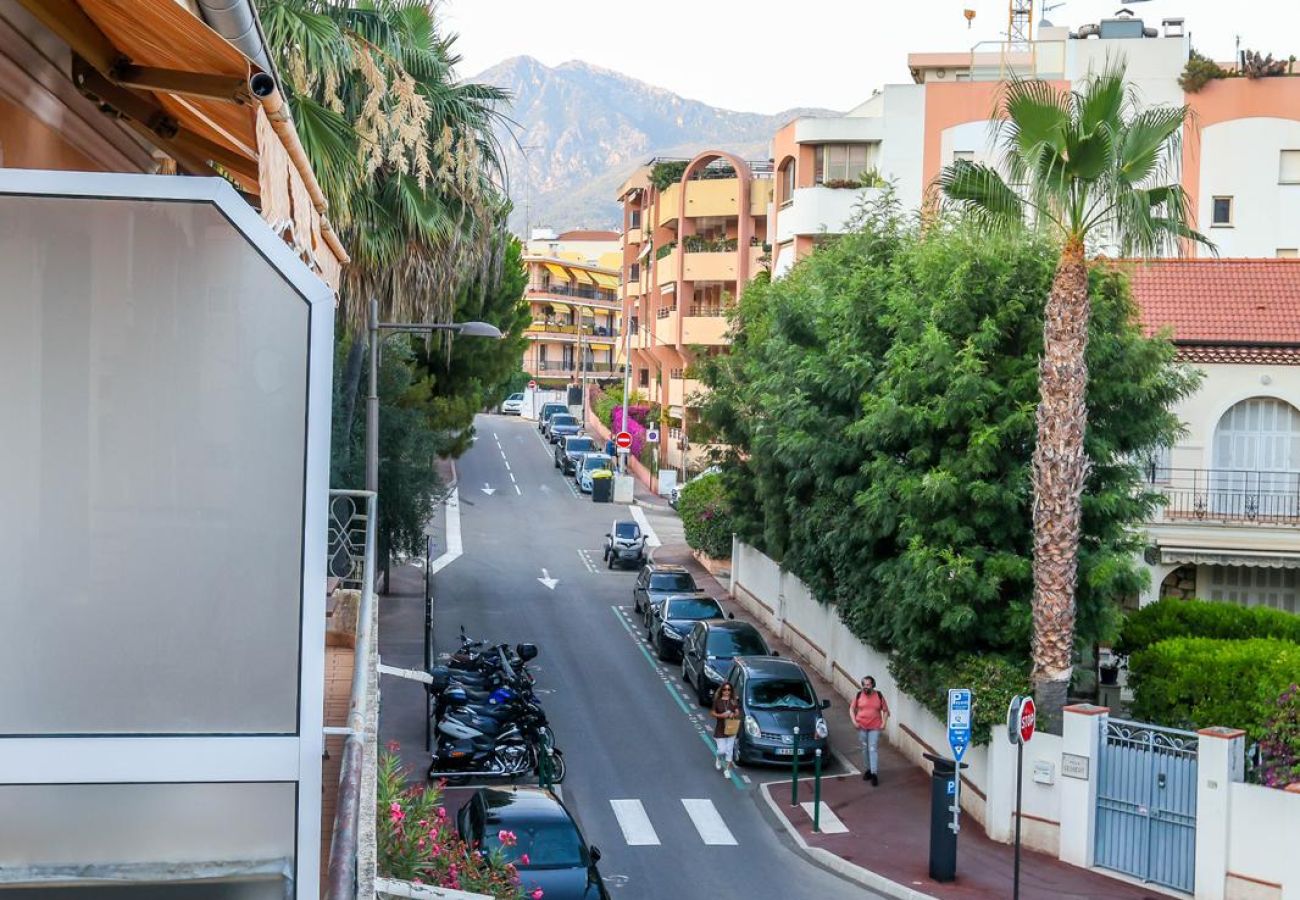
1091 168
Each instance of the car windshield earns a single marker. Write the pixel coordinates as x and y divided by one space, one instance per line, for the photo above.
591 462
516 397
742 642
672 581
627 530
693 608
551 409
563 419
781 693
579 445
549 845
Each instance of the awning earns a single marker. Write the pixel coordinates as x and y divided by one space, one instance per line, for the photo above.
583 276
559 271
1277 559
603 280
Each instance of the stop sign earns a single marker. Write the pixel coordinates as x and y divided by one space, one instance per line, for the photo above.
1021 719
624 440
532 385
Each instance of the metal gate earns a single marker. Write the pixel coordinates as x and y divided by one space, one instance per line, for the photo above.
1146 803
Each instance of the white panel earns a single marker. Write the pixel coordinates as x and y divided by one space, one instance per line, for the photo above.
37 760
1241 159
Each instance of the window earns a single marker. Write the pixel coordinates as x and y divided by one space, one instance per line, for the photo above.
1288 253
672 581
643 378
844 162
1252 586
1289 167
675 374
636 218
634 272
963 156
786 183
1222 214
781 693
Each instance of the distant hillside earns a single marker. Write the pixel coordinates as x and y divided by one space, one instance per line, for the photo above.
586 129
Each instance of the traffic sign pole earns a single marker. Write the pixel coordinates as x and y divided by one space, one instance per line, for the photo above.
1022 718
959 728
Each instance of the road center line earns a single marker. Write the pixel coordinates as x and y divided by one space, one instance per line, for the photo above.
635 824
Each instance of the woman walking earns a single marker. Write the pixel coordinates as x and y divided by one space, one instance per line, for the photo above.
869 712
726 725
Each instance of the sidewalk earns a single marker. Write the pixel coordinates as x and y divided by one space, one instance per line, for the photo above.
886 845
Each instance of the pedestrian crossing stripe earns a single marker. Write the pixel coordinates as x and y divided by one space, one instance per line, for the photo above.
708 822
639 831
634 823
829 822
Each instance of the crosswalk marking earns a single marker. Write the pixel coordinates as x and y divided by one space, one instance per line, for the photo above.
830 823
708 822
632 818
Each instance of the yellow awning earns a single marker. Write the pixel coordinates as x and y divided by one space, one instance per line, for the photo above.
559 271
603 280
582 276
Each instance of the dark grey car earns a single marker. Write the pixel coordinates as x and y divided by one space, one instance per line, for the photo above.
670 620
776 696
548 410
710 649
562 425
570 450
657 581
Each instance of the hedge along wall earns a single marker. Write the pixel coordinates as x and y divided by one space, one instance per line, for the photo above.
1195 682
1172 618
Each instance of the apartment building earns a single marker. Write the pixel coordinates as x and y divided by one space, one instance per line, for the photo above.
694 233
1240 164
166 352
572 294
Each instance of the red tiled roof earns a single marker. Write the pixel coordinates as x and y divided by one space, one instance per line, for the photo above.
588 236
1219 301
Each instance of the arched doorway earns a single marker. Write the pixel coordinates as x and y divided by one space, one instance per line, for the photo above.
1255 468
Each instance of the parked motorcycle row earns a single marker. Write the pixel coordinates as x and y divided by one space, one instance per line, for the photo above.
488 722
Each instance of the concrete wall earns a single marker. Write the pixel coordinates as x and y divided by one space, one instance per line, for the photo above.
1241 159
1263 825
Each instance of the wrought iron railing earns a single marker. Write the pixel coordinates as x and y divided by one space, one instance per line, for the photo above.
1228 495
591 368
664 312
585 293
351 556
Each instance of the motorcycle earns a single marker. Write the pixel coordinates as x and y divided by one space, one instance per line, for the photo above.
518 750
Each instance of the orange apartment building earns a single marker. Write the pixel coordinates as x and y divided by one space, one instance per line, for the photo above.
694 234
573 297
1240 162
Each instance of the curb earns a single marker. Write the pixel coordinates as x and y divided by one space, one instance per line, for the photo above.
838 865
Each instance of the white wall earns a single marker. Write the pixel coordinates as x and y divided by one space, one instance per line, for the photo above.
819 210
1223 386
1240 159
1152 64
972 137
902 151
1263 827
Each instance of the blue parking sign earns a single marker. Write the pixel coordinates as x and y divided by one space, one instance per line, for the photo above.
959 721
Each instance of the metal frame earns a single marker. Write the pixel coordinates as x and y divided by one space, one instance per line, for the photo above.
152 758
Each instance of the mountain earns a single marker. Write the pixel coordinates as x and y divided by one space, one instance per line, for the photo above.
584 129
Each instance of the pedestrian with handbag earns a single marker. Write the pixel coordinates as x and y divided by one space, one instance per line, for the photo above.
869 713
726 718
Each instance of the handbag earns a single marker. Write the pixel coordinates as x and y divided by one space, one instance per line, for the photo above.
730 727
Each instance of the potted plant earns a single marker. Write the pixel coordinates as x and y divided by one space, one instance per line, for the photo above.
1108 668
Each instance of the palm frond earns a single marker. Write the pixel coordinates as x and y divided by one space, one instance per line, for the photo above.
980 191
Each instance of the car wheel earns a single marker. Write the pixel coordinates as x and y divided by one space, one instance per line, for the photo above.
686 673
660 651
702 696
636 604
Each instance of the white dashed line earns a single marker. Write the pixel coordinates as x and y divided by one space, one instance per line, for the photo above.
520 493
634 823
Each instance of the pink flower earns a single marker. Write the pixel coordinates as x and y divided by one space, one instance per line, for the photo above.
507 838
395 813
393 746
536 895
523 858
442 813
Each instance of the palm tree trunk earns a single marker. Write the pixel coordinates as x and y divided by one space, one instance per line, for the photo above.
1059 470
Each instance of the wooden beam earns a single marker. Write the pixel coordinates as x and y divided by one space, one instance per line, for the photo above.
176 81
78 30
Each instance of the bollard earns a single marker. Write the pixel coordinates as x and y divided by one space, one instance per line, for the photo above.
543 766
794 770
817 791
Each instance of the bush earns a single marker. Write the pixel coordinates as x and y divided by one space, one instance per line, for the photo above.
706 517
1194 682
665 174
1280 748
1198 618
993 681
1200 71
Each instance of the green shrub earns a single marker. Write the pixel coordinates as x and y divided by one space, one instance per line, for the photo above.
1194 682
993 680
706 517
1199 71
1198 618
1280 748
665 174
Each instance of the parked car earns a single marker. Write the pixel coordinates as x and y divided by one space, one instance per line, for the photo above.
591 463
657 581
775 695
513 405
671 619
548 410
624 543
709 650
547 848
675 494
570 450
562 425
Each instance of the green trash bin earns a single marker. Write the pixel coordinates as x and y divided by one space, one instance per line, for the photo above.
602 486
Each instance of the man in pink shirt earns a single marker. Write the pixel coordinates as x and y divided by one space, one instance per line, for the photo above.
869 713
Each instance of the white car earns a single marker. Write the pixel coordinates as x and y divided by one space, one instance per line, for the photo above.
591 462
676 493
513 405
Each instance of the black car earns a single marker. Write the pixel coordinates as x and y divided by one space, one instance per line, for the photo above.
672 618
548 410
562 425
569 450
657 581
709 650
776 696
559 861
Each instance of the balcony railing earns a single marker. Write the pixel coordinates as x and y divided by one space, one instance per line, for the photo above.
1228 495
664 312
584 293
591 368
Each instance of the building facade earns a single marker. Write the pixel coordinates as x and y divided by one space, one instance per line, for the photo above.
572 293
1230 527
1240 162
694 234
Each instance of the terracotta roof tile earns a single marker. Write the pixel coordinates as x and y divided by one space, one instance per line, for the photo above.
588 236
1219 301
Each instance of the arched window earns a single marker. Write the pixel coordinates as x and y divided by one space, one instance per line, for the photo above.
785 182
1255 466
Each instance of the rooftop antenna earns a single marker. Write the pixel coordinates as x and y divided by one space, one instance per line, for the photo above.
1020 22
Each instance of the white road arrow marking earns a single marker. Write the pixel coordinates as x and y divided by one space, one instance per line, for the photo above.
547 580
488 489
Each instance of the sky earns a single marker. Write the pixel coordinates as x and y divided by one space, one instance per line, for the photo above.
771 55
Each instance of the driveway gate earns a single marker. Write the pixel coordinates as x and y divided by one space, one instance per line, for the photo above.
1146 803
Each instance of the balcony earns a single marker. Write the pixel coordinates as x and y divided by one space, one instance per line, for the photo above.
599 297
552 368
820 210
556 331
1227 496
682 390
710 330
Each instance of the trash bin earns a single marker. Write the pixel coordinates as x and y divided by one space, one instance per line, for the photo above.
602 486
943 840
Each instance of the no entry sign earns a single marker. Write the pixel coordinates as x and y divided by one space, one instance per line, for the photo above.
532 385
624 440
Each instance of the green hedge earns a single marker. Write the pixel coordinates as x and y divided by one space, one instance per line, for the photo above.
706 518
993 680
1197 618
1194 682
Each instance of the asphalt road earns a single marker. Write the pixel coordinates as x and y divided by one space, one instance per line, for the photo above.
641 780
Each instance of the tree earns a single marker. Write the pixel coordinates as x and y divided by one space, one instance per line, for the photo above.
1088 167
877 406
